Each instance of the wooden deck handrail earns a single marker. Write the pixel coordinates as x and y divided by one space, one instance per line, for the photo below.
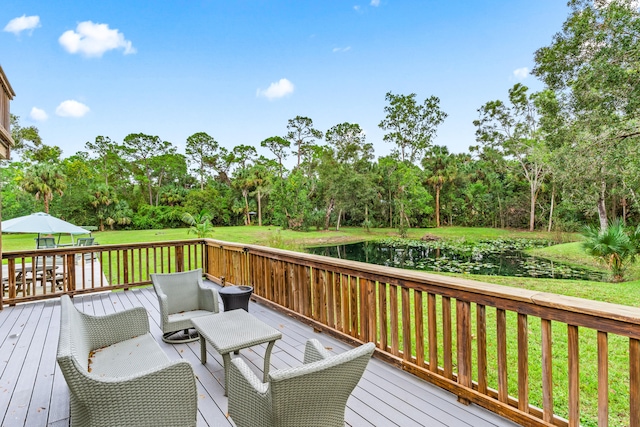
85 269
516 352
469 337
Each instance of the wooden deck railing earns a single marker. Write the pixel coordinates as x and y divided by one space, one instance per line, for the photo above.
48 273
536 358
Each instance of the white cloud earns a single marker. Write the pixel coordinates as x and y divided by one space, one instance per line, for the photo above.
356 8
278 89
91 39
521 73
22 23
71 108
375 3
38 115
341 49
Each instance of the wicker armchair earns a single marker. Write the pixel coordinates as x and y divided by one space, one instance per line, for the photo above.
117 373
314 394
182 296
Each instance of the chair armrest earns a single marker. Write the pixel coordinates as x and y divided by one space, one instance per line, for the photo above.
314 351
166 396
163 304
112 328
249 398
208 298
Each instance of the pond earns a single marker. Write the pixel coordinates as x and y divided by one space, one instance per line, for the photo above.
496 257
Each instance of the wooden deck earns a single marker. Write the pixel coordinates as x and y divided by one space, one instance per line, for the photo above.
33 391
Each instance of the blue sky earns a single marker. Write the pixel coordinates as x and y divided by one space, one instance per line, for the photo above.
239 70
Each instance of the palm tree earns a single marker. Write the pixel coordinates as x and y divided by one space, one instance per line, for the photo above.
260 178
243 181
611 246
44 180
439 170
200 223
101 198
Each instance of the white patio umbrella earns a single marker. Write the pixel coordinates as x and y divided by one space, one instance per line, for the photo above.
41 223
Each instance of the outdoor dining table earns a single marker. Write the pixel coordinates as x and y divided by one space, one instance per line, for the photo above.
22 273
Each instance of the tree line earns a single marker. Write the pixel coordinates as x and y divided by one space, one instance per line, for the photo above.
554 159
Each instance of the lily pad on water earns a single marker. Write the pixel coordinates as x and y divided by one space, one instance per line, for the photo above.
502 257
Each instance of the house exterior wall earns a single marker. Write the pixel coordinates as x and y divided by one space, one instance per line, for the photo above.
6 95
6 142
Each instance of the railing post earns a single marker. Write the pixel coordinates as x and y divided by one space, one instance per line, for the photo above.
12 278
463 317
205 257
179 255
70 265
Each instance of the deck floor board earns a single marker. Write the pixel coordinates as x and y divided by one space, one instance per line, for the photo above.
33 391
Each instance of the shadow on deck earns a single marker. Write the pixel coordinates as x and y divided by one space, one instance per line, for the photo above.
33 391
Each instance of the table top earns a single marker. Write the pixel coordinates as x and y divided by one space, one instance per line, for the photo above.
236 290
234 330
28 267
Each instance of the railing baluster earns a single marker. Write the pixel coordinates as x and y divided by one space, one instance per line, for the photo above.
337 297
317 295
547 371
463 334
372 311
523 363
346 310
634 382
279 275
125 267
278 283
433 332
362 310
447 344
331 302
324 281
295 289
501 332
481 338
382 310
111 268
393 304
353 306
574 376
306 291
419 321
603 380
406 323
